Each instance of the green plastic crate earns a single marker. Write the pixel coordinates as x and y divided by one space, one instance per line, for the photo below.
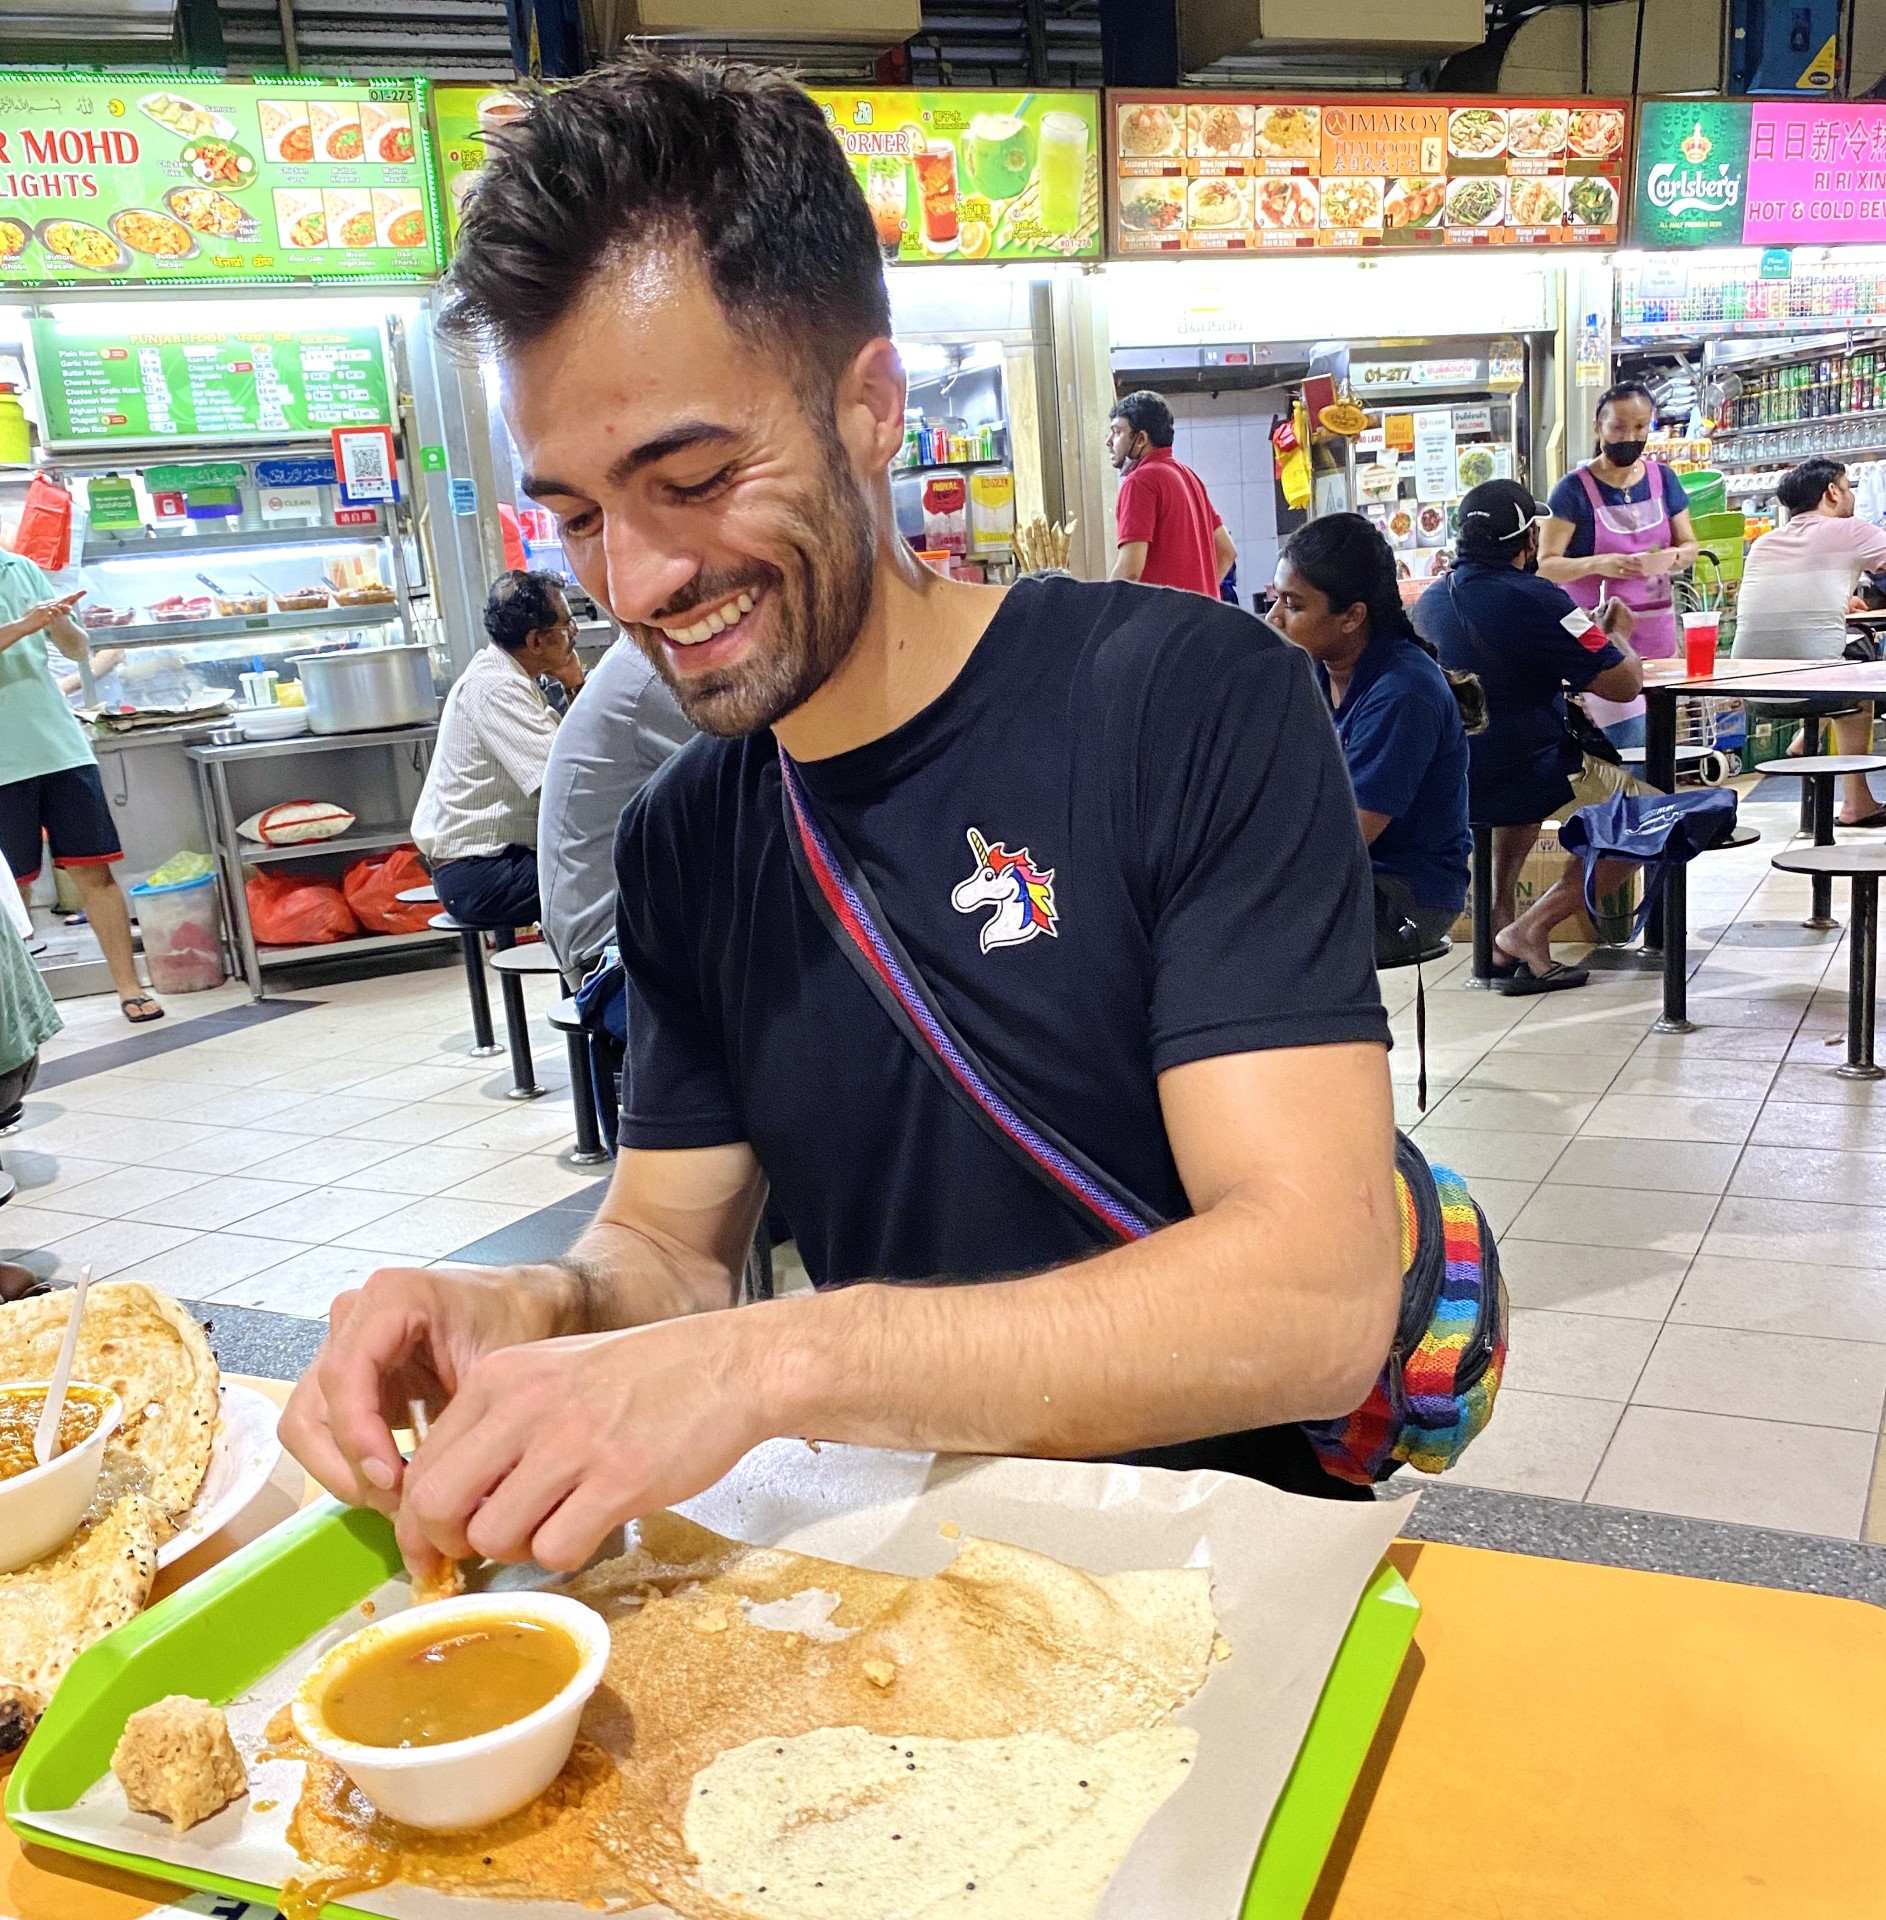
222 1632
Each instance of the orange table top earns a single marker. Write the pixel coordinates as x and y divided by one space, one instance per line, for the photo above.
1586 1742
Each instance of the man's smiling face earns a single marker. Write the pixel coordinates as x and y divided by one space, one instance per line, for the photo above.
702 489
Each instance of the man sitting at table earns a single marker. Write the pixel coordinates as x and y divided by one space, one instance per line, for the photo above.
476 821
1798 586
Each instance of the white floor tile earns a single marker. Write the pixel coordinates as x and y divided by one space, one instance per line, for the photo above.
26 1229
423 1170
224 1150
1804 1173
519 1127
305 1284
319 1162
538 1180
432 1228
112 1245
1658 1116
1710 1077
219 1203
322 1214
1487 1109
1667 1166
1822 1086
1831 1128
1657 1222
1544 1443
1587 1355
1810 1231
1625 1281
200 1268
1581 1072
124 1190
1759 1473
323 1113
1767 1376
1774 1296
1526 1157
409 1126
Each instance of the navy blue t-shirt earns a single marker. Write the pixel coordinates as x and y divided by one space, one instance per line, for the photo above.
1167 767
1571 502
1511 629
1402 736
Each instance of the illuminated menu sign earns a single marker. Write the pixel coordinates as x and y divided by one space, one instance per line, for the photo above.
960 175
252 383
1231 173
1760 173
180 180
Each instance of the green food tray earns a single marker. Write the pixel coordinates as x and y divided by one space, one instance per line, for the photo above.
223 1631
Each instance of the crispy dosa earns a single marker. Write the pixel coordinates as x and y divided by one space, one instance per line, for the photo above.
1004 1645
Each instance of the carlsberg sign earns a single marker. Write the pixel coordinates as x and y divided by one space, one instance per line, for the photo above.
1692 167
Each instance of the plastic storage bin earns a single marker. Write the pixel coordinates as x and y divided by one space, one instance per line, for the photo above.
182 925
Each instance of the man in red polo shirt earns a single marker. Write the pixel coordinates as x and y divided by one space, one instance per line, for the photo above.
1170 534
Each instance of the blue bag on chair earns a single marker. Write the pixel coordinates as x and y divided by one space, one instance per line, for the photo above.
1658 831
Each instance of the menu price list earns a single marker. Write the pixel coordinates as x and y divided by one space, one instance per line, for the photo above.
209 387
1234 174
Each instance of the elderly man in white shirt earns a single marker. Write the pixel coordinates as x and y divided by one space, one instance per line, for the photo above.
476 821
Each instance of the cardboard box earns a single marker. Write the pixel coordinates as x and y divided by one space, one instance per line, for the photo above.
1543 866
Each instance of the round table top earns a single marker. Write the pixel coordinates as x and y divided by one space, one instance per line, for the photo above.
1806 765
1855 857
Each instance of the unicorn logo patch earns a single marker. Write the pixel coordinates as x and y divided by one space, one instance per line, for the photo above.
1021 894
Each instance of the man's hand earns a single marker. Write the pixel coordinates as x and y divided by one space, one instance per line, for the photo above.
409 1334
37 618
545 1448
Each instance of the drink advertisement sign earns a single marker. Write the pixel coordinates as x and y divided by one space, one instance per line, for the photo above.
463 120
962 176
180 180
1760 173
1235 173
1816 173
1692 162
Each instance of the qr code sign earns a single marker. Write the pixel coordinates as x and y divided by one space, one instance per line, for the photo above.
365 459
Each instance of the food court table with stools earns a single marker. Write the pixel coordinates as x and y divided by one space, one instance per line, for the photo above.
1666 685
1584 1742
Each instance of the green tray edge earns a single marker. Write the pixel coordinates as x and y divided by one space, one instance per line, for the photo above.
296 1578
329 1557
1296 1844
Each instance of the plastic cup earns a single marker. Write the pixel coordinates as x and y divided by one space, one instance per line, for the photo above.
1700 634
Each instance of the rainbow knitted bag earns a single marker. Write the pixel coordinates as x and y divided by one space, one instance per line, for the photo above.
1443 1370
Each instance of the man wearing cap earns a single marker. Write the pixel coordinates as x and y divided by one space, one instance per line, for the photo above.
1533 646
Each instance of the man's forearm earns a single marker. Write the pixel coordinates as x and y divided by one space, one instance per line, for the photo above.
69 637
1246 1316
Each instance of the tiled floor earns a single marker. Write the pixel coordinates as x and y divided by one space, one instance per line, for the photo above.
1693 1227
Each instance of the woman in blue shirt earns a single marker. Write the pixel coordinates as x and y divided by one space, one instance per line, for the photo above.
1399 717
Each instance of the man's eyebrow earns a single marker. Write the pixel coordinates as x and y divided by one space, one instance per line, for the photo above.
691 433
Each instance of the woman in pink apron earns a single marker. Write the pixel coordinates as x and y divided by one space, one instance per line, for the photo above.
1620 528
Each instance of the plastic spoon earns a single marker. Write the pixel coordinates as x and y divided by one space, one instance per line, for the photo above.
46 1434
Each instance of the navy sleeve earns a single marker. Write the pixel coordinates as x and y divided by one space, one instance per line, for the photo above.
675 1086
1390 741
1576 657
1571 502
1257 880
1675 499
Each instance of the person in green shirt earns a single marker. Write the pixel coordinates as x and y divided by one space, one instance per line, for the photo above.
49 784
27 1020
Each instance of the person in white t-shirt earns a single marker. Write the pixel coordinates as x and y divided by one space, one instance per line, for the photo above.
1797 589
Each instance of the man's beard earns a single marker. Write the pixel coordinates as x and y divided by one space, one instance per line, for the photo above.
816 601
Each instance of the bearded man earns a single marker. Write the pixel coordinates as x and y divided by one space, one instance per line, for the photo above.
1017 942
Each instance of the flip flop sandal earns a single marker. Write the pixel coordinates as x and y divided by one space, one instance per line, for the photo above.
1555 979
128 1001
1877 818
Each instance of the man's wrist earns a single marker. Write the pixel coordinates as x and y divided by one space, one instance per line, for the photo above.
556 1294
778 1361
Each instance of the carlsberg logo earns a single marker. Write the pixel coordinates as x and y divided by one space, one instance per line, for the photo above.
1689 190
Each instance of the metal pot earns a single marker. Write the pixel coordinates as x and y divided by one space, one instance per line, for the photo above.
366 688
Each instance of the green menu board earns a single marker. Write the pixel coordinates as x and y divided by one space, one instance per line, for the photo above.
246 384
184 180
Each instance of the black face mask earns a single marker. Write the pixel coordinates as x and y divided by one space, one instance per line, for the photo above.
1623 453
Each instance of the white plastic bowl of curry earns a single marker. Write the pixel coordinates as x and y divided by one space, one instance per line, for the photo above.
457 1712
41 1507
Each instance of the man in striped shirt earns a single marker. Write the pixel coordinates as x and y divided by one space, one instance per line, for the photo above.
476 821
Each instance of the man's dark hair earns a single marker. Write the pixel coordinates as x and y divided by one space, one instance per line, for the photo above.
520 604
735 165
1801 489
1145 413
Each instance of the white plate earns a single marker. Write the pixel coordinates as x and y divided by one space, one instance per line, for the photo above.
241 1461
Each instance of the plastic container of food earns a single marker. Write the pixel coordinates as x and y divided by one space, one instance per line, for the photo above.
182 925
461 1783
239 604
40 1508
369 596
108 616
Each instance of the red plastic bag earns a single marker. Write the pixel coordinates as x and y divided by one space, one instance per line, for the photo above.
44 535
299 910
373 884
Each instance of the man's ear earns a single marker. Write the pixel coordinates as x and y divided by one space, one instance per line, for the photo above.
868 406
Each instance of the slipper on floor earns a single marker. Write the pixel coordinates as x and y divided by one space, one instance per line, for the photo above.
152 1010
1877 818
1555 979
